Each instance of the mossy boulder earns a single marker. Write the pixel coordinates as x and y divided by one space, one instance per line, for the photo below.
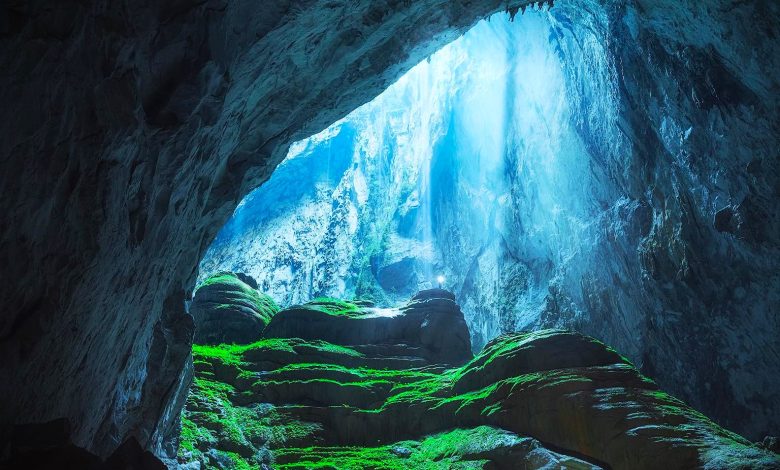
228 308
429 327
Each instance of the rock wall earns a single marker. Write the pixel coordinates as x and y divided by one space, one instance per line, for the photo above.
618 175
130 131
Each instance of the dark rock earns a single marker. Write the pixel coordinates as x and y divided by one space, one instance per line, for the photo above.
66 457
228 310
131 456
521 353
247 279
53 433
48 445
130 132
434 294
431 321
725 220
771 443
45 445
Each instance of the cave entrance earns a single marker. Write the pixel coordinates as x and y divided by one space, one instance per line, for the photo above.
501 168
471 172
437 176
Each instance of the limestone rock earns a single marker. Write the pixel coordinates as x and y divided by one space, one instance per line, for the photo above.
431 324
227 308
130 132
634 229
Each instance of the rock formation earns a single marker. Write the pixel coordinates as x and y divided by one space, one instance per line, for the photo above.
131 131
49 445
359 389
604 176
228 308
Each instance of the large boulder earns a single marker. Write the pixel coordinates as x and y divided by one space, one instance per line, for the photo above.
228 308
431 324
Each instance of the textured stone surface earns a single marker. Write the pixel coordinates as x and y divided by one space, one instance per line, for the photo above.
298 403
227 308
632 194
130 132
431 325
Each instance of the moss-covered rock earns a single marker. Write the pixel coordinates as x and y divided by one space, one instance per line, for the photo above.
475 448
358 396
431 325
228 308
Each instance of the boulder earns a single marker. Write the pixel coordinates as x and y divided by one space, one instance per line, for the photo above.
431 325
228 308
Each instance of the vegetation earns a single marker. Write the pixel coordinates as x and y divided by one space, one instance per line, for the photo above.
235 292
289 402
456 449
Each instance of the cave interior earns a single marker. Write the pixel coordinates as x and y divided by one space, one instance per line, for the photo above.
390 234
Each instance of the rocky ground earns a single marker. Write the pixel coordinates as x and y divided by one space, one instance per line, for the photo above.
338 384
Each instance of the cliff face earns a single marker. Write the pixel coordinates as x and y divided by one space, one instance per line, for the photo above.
588 167
130 131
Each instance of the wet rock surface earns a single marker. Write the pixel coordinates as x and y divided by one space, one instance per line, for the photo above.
550 397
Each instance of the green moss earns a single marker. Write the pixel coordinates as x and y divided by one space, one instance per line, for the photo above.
219 278
334 307
226 354
238 462
224 416
235 292
456 449
234 354
465 442
341 373
342 458
211 419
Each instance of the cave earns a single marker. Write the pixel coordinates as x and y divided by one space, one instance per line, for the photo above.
390 234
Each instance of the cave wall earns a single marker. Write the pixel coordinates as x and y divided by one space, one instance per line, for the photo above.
130 132
680 271
620 178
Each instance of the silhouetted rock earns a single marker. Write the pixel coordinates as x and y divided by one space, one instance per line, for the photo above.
771 443
48 445
227 309
131 456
